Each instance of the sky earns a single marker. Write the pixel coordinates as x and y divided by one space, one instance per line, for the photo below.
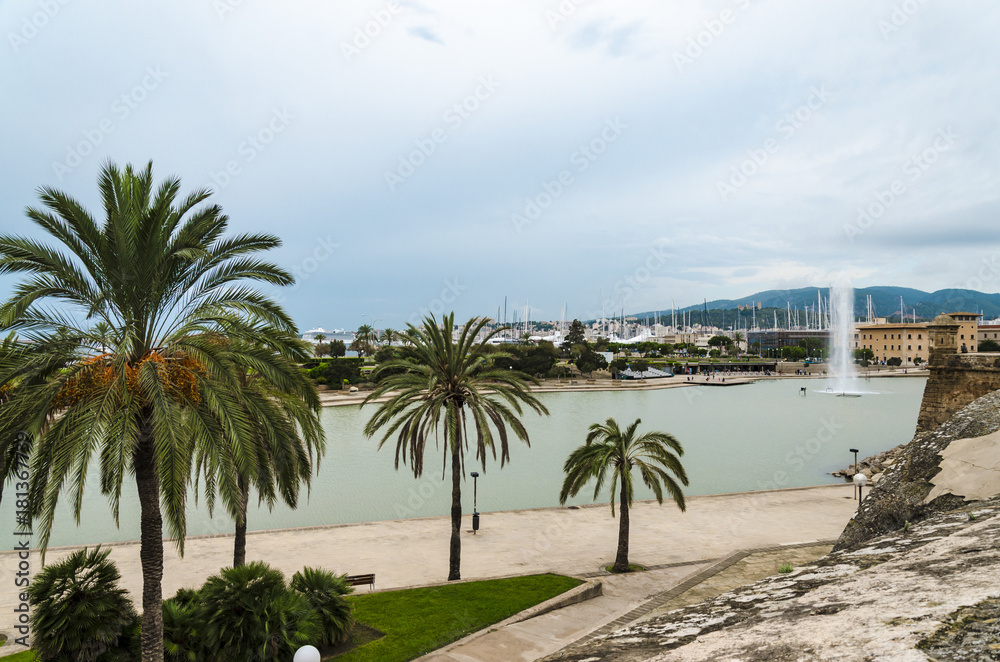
580 154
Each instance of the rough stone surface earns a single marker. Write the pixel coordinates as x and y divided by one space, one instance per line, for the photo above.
877 602
972 634
957 381
899 496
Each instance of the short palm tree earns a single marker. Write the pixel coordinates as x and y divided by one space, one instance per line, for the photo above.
365 339
438 386
389 336
608 447
160 272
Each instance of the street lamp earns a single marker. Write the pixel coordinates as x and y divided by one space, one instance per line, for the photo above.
475 496
855 451
860 480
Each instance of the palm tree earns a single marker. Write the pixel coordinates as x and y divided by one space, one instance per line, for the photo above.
286 436
160 272
364 340
441 383
388 336
608 447
319 338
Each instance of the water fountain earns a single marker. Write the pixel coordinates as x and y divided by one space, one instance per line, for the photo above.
844 382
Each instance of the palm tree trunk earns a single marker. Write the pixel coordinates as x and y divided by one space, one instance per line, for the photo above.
621 560
240 544
455 555
151 544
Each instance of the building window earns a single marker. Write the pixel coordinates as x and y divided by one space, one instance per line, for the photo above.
909 348
963 336
909 336
919 336
919 347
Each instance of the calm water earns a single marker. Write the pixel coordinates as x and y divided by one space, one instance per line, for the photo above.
738 438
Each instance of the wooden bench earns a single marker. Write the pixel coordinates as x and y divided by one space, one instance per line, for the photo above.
362 580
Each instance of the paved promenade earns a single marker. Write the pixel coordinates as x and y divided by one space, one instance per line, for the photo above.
572 541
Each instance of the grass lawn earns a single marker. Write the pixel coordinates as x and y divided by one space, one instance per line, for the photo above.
26 656
417 621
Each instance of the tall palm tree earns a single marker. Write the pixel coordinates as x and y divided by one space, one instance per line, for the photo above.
441 383
286 439
610 447
319 338
160 272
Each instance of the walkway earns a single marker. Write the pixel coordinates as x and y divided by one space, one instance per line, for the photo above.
572 541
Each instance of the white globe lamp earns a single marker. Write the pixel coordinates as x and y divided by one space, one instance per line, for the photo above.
860 480
307 654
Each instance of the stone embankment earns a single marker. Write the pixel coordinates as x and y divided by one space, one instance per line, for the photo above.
930 587
874 466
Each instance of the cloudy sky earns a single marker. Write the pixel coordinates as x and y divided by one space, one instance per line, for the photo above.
443 155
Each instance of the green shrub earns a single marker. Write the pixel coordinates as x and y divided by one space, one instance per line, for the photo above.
325 592
79 612
181 625
336 371
249 614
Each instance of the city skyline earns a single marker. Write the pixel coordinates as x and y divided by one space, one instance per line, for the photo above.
440 156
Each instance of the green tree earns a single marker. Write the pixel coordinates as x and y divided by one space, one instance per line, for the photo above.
445 383
161 273
365 340
319 338
989 345
814 347
640 365
576 335
719 342
337 348
590 361
609 448
793 353
864 354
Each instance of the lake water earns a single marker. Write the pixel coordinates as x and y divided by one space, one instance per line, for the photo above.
737 438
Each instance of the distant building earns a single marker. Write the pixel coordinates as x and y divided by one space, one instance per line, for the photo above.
772 341
988 332
908 342
968 330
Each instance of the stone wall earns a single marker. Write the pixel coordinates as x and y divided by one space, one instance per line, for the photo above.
955 379
960 380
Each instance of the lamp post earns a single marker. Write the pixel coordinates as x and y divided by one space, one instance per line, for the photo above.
860 480
855 451
475 496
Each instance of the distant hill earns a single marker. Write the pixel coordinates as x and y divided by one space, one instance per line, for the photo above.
886 300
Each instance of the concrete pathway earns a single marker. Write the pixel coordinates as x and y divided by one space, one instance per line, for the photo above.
572 541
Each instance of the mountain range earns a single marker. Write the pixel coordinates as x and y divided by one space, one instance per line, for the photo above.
886 300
